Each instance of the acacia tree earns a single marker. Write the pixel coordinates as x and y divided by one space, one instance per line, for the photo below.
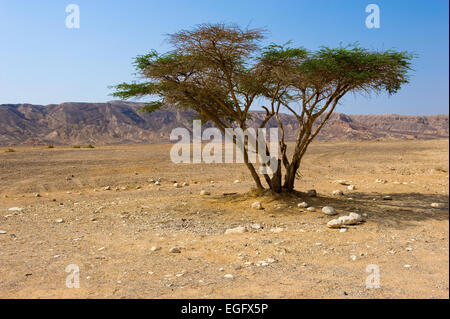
220 71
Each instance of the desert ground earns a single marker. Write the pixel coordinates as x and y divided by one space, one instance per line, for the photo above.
99 209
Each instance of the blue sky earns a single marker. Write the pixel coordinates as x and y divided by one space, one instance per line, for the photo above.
43 62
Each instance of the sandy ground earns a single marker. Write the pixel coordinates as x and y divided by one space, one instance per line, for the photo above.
108 234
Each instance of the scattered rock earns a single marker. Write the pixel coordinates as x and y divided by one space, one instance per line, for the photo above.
107 188
15 209
204 193
303 205
236 230
175 250
328 210
342 182
407 266
59 220
311 193
229 276
257 205
185 184
177 185
236 181
334 223
351 187
343 230
157 183
338 192
437 205
311 209
255 226
2 231
387 197
155 248
379 180
37 195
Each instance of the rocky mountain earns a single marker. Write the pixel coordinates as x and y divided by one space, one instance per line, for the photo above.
118 122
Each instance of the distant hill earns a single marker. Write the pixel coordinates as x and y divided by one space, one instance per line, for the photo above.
118 122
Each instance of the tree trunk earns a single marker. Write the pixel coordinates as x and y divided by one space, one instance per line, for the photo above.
289 179
275 182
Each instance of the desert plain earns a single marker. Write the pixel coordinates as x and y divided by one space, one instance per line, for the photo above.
101 210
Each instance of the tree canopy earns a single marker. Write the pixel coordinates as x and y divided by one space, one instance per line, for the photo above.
220 71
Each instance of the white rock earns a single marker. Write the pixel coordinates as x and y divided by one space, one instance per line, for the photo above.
15 209
236 181
229 276
328 210
387 197
356 216
107 188
303 205
204 193
338 192
59 220
176 185
343 230
437 205
2 232
351 187
155 248
157 183
221 269
185 184
255 226
407 266
257 205
334 223
379 180
236 230
311 209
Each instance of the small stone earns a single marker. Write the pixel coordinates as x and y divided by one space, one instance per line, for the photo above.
15 209
107 188
311 209
255 226
157 183
229 276
59 220
407 266
2 232
437 205
343 230
37 195
204 193
177 185
311 193
409 249
337 192
387 197
257 205
221 269
155 248
236 230
175 250
328 210
379 180
271 260
185 184
303 205
351 187
276 230
236 181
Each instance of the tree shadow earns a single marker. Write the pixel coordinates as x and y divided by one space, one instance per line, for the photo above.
404 210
